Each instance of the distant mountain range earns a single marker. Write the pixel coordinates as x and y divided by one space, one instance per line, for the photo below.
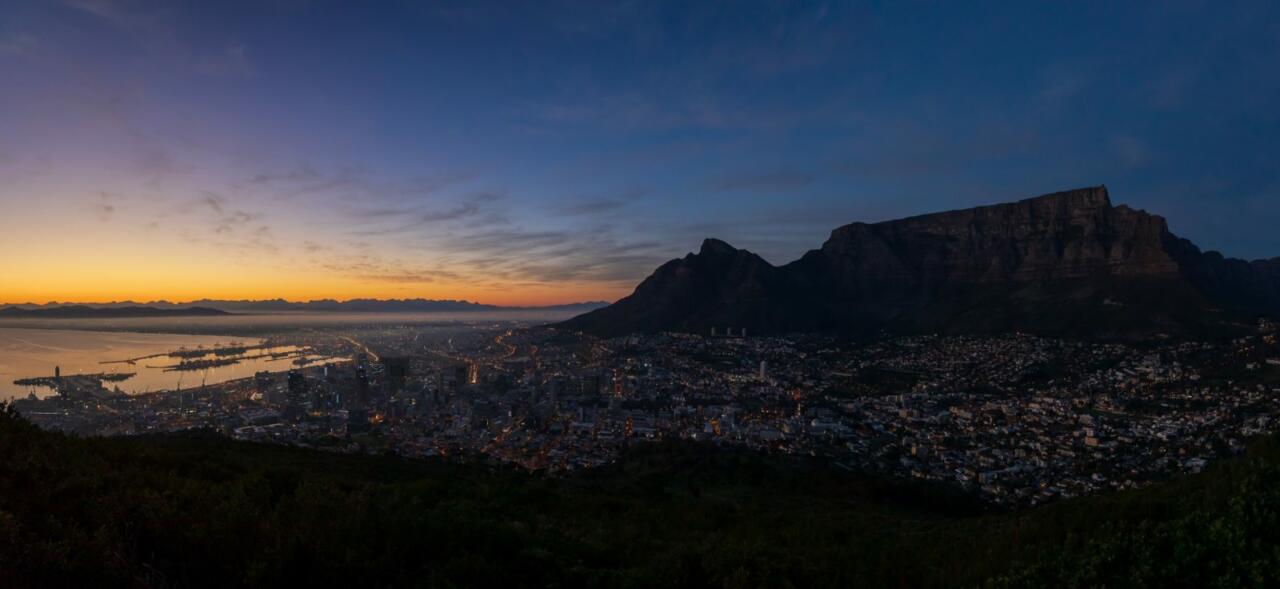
87 312
1068 263
281 305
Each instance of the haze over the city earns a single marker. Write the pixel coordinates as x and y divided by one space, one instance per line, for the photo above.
540 153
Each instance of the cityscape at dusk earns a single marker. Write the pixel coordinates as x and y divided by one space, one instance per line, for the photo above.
796 293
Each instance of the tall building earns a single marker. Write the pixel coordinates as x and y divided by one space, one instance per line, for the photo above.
590 385
357 421
363 397
262 384
397 373
764 370
297 394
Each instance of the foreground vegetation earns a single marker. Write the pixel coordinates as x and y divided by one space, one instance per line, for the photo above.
199 510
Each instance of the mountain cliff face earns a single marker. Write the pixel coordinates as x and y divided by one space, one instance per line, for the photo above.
1067 263
720 285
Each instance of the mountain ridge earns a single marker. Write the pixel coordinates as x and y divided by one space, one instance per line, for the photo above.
1065 263
88 312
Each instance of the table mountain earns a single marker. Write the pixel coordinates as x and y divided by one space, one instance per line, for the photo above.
1068 263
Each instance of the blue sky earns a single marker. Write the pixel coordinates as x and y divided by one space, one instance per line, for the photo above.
540 150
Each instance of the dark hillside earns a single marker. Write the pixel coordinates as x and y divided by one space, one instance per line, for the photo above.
201 511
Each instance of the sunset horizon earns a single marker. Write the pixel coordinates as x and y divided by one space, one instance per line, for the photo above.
209 150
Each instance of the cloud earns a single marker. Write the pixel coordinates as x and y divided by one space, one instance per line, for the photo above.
224 220
255 242
417 218
350 184
236 219
231 62
463 210
600 205
1131 151
592 207
423 219
19 44
303 173
156 164
775 180
212 200
1170 89
1060 85
412 277
103 206
543 257
123 14
155 29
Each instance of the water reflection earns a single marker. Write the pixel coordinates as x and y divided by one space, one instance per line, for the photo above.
156 361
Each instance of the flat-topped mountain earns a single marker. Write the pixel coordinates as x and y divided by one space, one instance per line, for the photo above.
1068 263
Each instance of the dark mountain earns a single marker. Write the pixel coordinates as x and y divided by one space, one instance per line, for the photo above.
87 312
1068 263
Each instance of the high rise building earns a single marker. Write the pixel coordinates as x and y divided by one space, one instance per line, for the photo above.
590 385
297 387
357 421
363 396
297 394
397 373
262 385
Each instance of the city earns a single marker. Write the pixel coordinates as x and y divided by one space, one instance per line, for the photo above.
1017 420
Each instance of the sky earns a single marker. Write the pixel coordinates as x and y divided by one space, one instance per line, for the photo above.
532 153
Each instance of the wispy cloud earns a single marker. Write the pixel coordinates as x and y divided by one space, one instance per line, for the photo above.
409 219
231 62
124 14
774 180
592 207
153 27
103 205
19 44
1130 151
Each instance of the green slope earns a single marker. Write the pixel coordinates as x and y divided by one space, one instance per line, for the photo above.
204 511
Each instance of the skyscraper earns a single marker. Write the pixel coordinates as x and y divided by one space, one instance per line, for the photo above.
297 395
397 373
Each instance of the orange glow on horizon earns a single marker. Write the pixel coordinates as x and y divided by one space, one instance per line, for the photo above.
101 276
52 255
517 296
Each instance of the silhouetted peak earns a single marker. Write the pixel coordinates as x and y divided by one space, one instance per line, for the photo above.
1093 197
713 246
1047 264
